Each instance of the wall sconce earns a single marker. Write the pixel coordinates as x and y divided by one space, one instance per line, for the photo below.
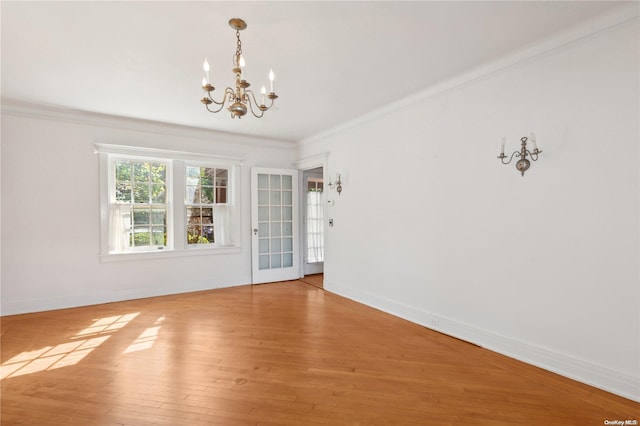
337 184
522 164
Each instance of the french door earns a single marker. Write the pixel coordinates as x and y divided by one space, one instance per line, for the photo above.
274 225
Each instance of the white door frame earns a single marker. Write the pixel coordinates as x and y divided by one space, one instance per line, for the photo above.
313 162
272 273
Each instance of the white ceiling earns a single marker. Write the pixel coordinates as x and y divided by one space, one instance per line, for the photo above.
333 61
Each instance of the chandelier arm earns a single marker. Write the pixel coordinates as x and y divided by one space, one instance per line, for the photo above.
228 94
214 101
534 154
249 95
502 157
221 104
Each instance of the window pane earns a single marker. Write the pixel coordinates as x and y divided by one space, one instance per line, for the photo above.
193 173
207 176
263 262
276 213
263 181
286 229
221 195
263 198
194 233
287 260
158 173
275 198
123 191
141 193
287 213
286 198
275 230
286 182
206 195
263 214
141 236
275 181
123 171
158 217
287 244
207 215
193 214
276 261
276 245
190 194
141 216
141 172
263 245
222 177
207 232
158 195
263 230
159 236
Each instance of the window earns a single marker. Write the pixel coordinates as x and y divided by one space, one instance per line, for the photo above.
315 221
206 198
156 202
139 205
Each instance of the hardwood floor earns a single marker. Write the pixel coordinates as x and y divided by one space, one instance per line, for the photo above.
274 354
316 280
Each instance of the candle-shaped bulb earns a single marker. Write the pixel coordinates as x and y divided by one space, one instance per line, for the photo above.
271 78
263 92
532 137
241 62
204 81
502 146
206 68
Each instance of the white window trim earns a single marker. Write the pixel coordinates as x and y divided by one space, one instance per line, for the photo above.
176 245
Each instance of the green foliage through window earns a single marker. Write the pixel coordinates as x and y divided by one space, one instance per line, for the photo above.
143 185
205 187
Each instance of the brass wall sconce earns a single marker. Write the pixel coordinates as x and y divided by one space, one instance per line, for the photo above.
523 163
337 184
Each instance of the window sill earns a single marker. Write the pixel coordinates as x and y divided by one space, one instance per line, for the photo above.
164 254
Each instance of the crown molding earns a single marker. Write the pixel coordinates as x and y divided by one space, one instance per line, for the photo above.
20 108
626 13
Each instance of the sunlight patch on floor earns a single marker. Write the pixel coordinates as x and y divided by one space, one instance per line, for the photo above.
65 354
147 338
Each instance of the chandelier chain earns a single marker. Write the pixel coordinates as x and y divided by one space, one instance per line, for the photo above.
239 48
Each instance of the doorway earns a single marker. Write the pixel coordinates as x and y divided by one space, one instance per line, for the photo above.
313 221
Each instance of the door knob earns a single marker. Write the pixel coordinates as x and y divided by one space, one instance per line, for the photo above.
255 231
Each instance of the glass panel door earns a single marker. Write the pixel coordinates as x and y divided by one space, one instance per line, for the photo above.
274 219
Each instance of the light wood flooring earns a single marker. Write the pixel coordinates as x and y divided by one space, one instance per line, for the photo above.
275 354
316 280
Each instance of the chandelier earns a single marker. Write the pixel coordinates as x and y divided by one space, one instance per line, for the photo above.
240 99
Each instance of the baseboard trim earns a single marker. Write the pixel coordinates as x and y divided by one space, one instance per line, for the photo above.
33 305
591 374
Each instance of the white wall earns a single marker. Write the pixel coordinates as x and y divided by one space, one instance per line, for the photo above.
545 267
51 210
